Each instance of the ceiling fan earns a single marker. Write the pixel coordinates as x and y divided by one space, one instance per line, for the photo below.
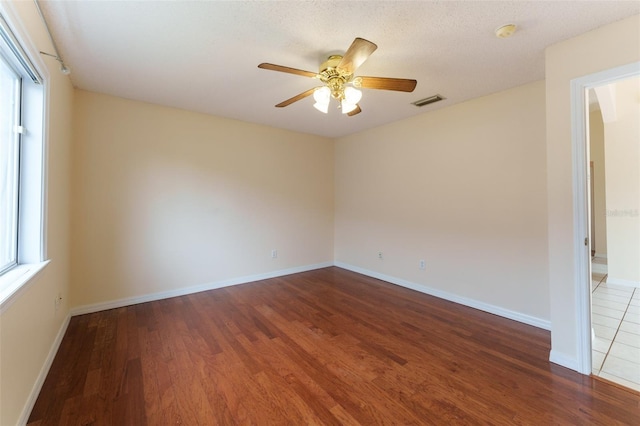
337 75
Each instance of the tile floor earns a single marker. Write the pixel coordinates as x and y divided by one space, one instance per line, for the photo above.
615 318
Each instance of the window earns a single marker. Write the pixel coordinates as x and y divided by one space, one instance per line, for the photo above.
10 95
22 155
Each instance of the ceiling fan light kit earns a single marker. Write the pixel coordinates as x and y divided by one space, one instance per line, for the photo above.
322 96
339 83
350 100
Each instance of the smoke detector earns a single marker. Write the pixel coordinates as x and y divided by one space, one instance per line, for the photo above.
505 31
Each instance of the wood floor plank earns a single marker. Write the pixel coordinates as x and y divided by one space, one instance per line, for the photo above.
326 347
308 389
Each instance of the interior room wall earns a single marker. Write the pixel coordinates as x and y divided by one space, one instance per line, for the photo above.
622 147
166 199
462 188
30 325
596 148
607 47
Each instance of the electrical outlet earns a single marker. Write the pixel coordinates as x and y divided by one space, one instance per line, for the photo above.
274 254
422 264
379 255
57 301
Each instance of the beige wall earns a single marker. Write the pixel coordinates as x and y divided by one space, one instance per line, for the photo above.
28 328
462 188
167 199
622 147
607 47
596 147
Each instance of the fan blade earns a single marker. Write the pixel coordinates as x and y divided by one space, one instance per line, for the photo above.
355 111
383 83
289 70
296 98
357 53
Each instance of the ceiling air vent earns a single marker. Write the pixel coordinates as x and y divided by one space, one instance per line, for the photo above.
427 101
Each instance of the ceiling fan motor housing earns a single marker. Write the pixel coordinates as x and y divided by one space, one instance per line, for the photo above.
334 77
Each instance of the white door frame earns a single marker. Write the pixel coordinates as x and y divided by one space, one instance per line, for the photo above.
582 252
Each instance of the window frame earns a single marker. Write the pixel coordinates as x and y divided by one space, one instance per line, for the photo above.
31 250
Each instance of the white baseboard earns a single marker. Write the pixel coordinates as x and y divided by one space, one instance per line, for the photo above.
96 307
623 282
599 268
37 386
600 255
564 360
496 310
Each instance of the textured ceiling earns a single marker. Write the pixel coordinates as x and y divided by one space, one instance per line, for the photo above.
203 55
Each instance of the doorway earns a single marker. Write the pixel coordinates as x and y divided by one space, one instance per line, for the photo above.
581 244
614 156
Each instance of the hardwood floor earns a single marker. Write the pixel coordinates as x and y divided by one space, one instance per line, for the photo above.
322 347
